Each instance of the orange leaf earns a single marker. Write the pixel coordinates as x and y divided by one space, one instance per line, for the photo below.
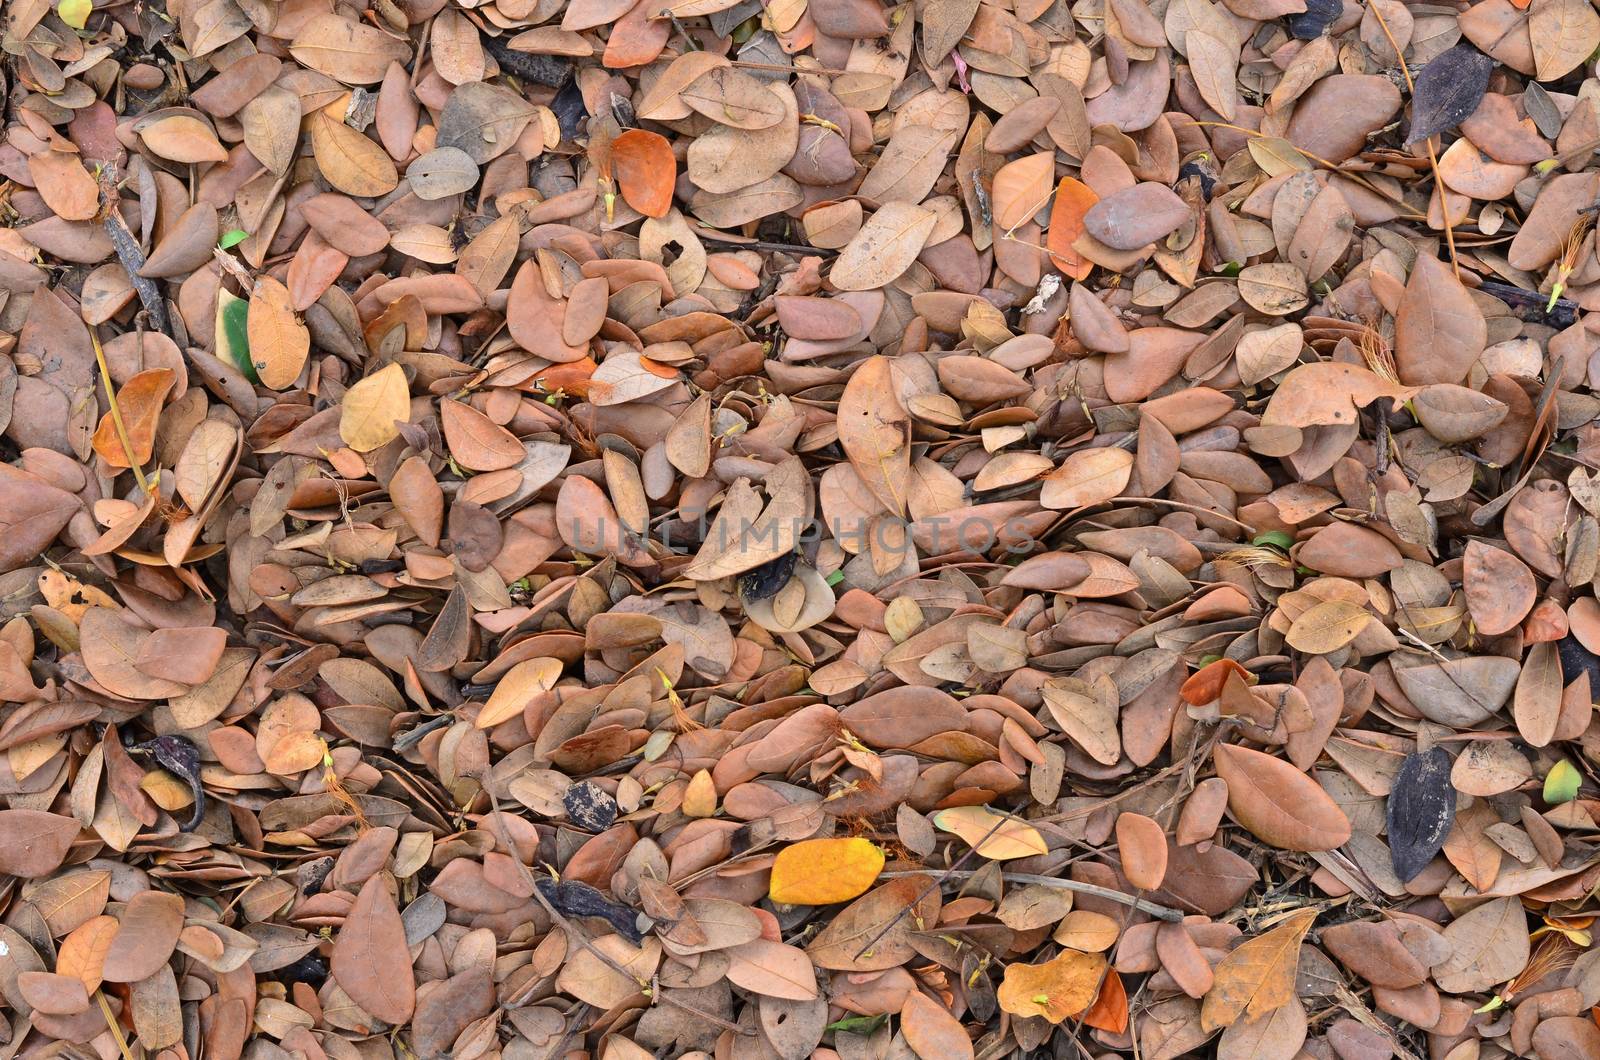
83 952
1110 1010
140 402
571 378
646 171
1073 199
1058 989
1205 684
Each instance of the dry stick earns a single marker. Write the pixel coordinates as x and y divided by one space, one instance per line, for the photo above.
962 860
1332 167
1160 912
572 932
1433 159
1186 507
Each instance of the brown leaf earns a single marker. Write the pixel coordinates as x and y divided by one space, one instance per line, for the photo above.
33 842
371 959
1258 976
1278 803
931 1030
1439 331
150 924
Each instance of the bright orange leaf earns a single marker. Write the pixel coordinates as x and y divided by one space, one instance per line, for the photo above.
1073 199
646 171
1110 1010
139 400
1205 684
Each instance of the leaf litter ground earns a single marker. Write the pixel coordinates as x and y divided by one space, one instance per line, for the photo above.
805 529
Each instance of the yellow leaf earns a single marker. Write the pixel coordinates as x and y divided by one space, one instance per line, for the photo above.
1006 837
700 797
1058 989
371 408
823 871
75 13
166 790
1258 976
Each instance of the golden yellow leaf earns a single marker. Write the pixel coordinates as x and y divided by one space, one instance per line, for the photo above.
823 871
993 835
371 408
1258 976
1058 989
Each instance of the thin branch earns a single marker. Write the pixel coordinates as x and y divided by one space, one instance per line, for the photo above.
1433 158
1160 912
962 860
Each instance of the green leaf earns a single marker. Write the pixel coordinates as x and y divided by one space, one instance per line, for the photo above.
1275 538
232 238
1561 783
859 1024
835 578
233 335
75 13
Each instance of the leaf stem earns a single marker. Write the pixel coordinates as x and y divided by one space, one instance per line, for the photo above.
116 414
111 1022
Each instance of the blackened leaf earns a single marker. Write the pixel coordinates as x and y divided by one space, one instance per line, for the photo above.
767 579
1576 659
572 898
1422 807
590 806
569 109
178 756
310 969
1449 89
1315 19
542 69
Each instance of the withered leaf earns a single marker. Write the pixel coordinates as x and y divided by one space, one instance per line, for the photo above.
1449 88
371 958
1421 810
